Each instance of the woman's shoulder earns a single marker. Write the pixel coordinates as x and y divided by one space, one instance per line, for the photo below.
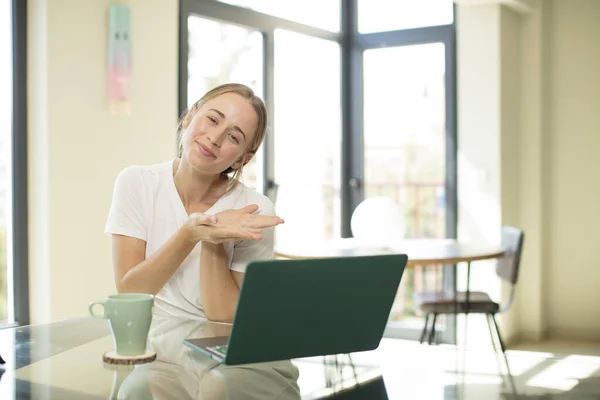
243 195
140 174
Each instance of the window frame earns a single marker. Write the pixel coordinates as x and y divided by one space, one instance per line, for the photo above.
20 209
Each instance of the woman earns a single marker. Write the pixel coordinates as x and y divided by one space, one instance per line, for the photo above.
184 230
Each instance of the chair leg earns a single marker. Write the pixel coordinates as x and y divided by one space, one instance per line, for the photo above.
424 332
489 323
499 336
432 331
466 331
493 338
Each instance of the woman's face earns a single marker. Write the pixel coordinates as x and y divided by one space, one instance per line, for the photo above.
219 134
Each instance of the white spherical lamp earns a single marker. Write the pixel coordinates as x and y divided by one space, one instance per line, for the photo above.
378 220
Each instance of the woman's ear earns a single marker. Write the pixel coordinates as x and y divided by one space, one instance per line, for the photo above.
248 157
245 159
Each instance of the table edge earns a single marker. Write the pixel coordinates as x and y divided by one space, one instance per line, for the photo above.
412 262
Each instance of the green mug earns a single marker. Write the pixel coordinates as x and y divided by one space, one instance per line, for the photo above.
129 315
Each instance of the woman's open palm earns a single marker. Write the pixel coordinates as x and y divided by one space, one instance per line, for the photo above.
245 218
237 224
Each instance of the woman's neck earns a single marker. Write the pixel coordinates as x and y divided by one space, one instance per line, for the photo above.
195 188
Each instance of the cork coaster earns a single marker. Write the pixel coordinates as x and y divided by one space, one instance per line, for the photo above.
111 357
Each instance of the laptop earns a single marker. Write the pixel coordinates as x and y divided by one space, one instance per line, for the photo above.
303 308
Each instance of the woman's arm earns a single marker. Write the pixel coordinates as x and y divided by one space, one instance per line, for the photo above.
136 274
219 290
220 282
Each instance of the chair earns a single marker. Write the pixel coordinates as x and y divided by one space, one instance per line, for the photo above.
507 269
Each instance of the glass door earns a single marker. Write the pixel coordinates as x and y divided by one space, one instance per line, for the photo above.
405 156
307 137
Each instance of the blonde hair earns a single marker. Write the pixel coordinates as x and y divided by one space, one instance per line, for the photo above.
261 127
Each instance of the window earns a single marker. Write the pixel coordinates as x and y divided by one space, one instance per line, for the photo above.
404 155
222 53
405 147
324 14
307 136
388 15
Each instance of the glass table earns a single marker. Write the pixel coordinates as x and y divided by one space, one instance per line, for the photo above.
63 360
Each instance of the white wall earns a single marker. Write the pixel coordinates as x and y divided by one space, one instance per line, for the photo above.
77 148
528 126
488 115
572 301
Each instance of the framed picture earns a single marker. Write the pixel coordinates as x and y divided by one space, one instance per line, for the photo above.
119 58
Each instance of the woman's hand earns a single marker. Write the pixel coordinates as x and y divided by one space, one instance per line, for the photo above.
245 217
229 225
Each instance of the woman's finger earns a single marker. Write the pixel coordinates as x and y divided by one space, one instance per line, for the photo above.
252 233
239 233
264 221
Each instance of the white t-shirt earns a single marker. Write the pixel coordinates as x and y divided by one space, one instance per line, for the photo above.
146 206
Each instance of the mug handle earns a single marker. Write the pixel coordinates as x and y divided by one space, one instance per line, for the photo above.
93 314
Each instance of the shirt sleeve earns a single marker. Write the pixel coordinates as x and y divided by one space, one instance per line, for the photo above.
126 215
251 250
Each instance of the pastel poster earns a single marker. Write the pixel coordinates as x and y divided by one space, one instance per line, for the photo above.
119 57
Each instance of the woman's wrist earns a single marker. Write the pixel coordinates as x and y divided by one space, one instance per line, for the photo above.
212 247
186 235
198 228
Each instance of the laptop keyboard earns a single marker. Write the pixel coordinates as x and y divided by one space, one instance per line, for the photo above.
220 350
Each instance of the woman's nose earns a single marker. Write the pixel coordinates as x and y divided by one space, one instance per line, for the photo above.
216 138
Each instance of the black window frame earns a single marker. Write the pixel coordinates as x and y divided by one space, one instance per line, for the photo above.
20 209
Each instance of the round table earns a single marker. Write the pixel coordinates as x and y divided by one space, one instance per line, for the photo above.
419 251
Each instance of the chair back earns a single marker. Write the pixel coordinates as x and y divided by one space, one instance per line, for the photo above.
512 243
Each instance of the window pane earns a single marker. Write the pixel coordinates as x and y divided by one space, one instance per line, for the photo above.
405 156
307 137
6 111
324 14
223 53
390 15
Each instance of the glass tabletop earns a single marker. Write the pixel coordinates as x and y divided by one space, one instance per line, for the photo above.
63 360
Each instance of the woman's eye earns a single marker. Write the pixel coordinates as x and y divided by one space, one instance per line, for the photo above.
235 139
212 119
